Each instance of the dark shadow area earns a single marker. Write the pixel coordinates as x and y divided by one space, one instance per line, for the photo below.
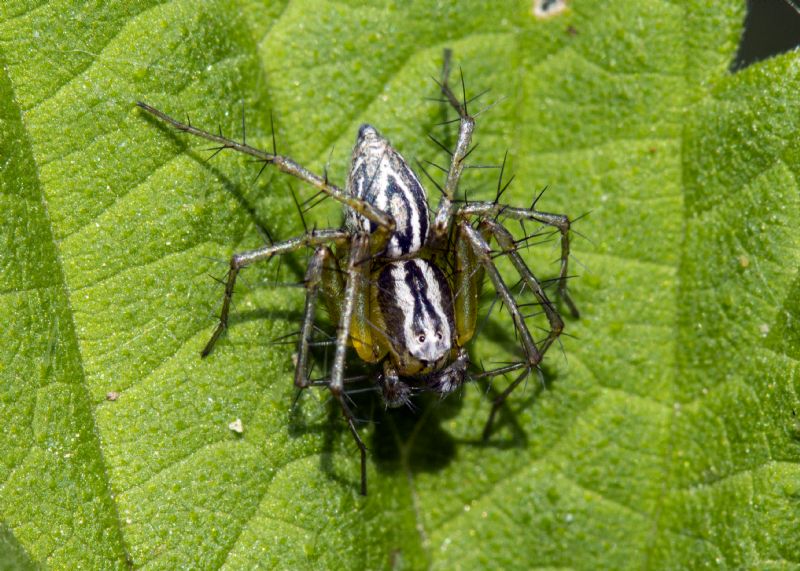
405 438
415 438
522 398
771 27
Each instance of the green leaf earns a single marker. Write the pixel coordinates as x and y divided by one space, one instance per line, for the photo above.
666 435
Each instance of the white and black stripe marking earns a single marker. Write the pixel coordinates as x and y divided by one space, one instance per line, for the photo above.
417 305
382 177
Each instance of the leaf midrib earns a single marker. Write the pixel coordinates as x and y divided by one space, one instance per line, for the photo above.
59 283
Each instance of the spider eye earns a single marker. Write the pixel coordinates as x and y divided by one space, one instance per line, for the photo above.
421 338
439 335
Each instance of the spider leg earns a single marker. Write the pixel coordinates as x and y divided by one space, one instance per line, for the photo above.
284 164
506 241
441 221
501 398
243 259
483 253
321 261
359 251
488 210
314 274
532 353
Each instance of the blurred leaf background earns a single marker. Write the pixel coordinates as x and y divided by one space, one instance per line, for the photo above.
667 435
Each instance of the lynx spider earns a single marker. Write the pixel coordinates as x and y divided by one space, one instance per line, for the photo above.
395 301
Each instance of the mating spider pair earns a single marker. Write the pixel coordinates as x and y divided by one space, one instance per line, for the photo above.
402 286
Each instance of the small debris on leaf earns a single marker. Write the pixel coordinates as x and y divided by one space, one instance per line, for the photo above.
237 426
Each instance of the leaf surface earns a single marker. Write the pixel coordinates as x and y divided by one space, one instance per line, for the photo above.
666 435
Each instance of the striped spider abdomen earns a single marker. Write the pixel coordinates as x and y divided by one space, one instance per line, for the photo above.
380 176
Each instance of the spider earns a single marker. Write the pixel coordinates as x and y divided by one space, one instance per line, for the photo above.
403 285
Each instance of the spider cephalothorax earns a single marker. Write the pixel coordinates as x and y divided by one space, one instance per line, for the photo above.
402 286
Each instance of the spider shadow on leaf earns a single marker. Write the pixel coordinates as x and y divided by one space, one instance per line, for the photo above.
231 188
406 438
507 417
413 439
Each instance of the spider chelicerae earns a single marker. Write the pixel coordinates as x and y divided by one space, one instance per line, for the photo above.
404 286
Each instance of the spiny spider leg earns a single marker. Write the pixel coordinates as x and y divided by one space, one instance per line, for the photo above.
489 210
500 399
243 259
506 241
285 164
441 221
312 282
483 253
533 353
336 382
498 371
359 251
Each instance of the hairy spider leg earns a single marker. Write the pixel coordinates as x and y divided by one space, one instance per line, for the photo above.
322 273
342 297
471 249
506 242
487 210
445 210
359 250
286 165
483 253
384 221
533 356
243 259
443 217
